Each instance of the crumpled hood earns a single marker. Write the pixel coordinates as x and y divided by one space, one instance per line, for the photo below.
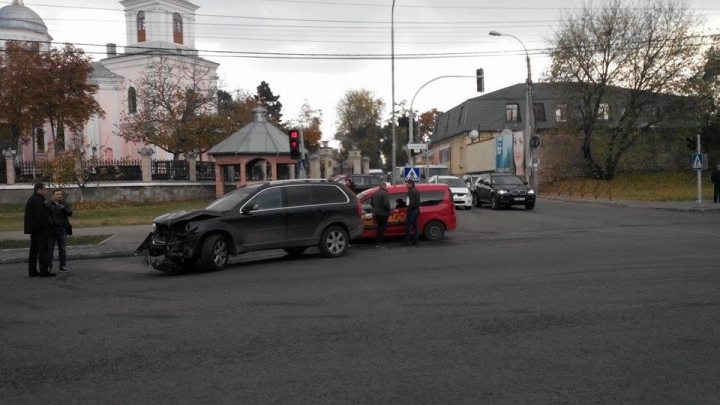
178 216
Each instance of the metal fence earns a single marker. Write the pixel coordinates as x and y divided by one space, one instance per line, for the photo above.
205 171
113 170
117 170
170 170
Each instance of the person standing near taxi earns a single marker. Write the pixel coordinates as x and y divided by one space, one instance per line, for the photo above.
413 212
381 211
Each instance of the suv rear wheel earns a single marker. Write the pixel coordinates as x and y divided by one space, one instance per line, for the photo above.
434 231
214 253
334 241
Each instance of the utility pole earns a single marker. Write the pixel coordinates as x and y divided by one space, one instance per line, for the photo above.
699 174
303 173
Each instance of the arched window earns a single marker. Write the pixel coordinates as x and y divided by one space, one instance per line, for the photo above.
132 100
141 37
177 28
40 140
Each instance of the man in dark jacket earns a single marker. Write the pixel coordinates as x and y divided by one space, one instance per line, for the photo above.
381 211
413 212
715 177
37 225
59 210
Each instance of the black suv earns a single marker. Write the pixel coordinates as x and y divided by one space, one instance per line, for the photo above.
503 190
291 215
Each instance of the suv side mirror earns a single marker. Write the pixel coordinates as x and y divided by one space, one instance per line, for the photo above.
246 209
525 182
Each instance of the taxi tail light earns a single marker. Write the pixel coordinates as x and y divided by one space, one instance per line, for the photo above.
452 202
360 209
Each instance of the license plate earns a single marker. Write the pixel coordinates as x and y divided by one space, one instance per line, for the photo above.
519 198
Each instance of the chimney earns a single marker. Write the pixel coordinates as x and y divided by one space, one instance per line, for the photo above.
111 50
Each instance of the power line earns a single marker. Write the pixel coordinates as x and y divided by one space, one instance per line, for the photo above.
444 6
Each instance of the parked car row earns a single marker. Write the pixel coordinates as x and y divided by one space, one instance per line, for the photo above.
297 214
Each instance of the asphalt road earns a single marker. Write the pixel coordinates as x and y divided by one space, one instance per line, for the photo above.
565 304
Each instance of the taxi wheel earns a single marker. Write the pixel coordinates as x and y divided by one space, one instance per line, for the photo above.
434 231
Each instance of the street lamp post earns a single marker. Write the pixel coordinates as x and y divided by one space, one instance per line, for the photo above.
392 108
529 120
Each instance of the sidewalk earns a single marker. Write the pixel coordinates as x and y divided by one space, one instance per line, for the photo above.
123 243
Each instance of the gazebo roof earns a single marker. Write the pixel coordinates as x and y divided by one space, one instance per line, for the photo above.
256 138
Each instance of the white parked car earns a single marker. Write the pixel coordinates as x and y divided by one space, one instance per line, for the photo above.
462 197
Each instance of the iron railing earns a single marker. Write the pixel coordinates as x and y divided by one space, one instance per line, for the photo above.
170 170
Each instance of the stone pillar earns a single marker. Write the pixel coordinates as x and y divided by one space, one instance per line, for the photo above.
263 170
219 180
146 167
274 175
327 159
243 174
191 158
355 156
10 165
292 171
314 166
366 165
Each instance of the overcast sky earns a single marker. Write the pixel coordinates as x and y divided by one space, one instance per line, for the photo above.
349 27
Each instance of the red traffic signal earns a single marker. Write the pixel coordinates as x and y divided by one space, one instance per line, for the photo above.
294 136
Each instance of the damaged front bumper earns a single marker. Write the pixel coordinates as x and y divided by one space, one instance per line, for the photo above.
169 251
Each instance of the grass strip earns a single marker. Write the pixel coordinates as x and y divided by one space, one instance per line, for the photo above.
93 215
71 241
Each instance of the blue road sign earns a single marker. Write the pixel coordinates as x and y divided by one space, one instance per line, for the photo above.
412 173
697 161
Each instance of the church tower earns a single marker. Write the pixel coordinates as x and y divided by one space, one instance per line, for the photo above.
165 24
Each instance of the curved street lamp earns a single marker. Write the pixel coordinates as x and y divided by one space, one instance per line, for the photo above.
392 108
529 117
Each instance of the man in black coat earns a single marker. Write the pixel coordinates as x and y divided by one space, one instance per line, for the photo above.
60 210
381 211
37 225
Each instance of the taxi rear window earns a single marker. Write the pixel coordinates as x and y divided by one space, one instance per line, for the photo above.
431 197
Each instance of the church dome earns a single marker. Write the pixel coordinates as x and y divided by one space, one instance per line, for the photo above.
18 17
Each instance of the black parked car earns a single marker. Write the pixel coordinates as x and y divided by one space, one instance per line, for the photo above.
362 181
291 215
503 190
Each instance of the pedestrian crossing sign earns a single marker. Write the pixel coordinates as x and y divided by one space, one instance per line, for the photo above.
412 173
697 161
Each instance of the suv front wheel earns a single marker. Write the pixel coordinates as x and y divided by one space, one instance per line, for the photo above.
334 241
214 253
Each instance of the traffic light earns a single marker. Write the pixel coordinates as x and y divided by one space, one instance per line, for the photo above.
480 77
691 143
294 136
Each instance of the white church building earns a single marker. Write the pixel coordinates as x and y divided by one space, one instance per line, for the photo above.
155 29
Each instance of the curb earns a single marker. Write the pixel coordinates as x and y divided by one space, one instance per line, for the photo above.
78 256
626 205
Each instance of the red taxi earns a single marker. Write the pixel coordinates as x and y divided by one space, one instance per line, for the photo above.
437 211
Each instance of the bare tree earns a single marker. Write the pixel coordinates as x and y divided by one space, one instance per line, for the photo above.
620 65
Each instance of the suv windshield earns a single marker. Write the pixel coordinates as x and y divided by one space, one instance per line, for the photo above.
230 200
507 180
452 181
